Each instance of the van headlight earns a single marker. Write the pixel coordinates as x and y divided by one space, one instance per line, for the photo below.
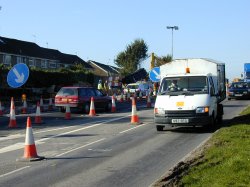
202 110
159 111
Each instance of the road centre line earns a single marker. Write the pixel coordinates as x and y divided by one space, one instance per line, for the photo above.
14 171
21 145
84 128
80 147
141 125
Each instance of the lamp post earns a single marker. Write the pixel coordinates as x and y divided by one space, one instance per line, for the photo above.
173 28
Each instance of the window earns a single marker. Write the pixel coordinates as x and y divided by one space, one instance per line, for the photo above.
52 65
7 60
31 62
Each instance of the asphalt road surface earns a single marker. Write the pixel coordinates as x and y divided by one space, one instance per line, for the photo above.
105 150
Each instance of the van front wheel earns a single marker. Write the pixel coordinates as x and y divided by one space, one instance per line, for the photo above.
159 127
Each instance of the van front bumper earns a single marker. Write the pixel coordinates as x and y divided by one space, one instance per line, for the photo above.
183 120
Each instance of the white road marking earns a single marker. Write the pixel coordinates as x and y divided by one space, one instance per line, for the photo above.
6 174
141 125
21 145
80 147
10 137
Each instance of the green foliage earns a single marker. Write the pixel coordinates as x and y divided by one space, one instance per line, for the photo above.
130 59
227 161
44 78
163 60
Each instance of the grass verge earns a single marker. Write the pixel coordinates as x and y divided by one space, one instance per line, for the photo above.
226 158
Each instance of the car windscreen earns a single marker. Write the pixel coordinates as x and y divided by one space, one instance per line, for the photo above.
67 92
135 86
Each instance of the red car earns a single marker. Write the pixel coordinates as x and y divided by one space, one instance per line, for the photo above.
80 97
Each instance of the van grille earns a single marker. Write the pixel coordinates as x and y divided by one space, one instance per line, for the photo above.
180 113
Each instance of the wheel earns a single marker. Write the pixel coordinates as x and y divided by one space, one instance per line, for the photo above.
211 126
86 108
108 107
62 109
229 98
159 128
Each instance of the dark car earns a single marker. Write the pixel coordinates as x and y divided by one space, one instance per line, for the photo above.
239 90
80 97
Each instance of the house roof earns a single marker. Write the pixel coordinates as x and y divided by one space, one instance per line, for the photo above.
24 48
106 68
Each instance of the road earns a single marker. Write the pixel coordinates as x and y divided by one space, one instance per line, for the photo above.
105 150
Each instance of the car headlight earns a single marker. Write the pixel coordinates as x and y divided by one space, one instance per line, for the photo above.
202 110
230 93
245 92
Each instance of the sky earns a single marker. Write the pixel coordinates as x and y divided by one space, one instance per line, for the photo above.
99 29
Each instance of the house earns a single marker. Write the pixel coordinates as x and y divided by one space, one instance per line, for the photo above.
109 75
13 51
103 70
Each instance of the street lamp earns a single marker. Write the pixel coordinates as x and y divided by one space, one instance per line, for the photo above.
173 28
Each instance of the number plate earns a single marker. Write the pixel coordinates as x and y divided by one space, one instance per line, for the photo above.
180 120
238 95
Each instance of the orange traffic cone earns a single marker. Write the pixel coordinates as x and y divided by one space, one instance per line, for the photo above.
24 108
113 109
67 113
38 119
92 108
41 104
148 101
134 116
1 109
30 153
12 122
50 104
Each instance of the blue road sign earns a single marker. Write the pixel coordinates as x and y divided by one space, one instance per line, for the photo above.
18 75
154 74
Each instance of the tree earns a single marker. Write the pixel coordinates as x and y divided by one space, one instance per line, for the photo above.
163 60
130 59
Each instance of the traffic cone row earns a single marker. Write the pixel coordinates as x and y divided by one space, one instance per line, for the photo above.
148 101
113 109
134 116
92 107
67 113
30 153
38 119
12 122
24 108
41 104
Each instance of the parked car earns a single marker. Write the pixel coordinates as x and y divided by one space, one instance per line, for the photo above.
239 90
136 88
79 98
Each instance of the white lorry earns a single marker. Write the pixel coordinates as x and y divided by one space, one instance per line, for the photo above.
196 99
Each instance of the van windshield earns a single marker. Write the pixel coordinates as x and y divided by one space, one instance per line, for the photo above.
184 85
